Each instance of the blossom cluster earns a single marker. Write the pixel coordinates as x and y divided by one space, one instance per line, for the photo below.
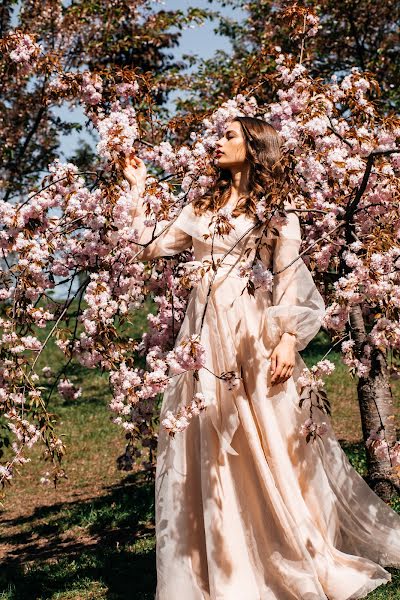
91 88
312 394
358 365
87 87
25 50
131 386
311 430
258 274
313 378
118 131
187 355
67 390
179 422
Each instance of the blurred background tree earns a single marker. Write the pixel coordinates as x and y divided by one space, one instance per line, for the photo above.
354 33
80 35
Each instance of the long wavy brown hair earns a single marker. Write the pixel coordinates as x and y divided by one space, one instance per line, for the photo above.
266 176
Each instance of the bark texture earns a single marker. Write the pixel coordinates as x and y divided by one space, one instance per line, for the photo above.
376 408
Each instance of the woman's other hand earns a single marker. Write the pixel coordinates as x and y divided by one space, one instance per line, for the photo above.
283 359
135 172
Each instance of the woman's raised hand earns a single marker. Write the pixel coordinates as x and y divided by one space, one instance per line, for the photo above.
283 359
135 172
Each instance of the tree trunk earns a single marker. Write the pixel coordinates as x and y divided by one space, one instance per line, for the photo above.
376 409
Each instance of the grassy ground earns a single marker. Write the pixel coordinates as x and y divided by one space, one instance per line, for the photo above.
93 537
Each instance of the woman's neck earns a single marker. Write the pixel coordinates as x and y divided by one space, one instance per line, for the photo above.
240 182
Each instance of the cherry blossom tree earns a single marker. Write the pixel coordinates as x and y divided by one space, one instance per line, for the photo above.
92 47
100 57
344 40
341 158
347 168
361 34
344 158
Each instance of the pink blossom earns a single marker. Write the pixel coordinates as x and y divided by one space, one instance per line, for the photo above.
179 422
91 88
258 274
395 454
117 132
6 473
45 479
335 317
312 379
377 444
313 23
127 89
317 126
26 50
323 367
347 346
67 390
231 379
31 343
25 432
312 430
188 355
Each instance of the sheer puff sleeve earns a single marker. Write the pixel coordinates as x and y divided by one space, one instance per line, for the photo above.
170 237
297 306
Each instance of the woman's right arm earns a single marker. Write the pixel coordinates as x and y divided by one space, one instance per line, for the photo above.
171 239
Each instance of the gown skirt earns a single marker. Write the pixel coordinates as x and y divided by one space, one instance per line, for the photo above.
245 508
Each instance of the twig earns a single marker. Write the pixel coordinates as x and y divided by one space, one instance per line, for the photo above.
302 40
67 305
360 191
53 183
63 370
335 344
339 135
320 239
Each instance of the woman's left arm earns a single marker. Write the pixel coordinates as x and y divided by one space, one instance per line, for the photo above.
297 307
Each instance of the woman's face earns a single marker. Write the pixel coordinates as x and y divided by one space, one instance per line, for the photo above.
231 147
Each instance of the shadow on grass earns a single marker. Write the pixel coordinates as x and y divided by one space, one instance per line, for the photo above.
105 543
68 546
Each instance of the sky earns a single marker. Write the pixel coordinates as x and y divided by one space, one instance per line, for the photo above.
202 40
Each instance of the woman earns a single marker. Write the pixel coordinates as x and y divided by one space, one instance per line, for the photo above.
245 509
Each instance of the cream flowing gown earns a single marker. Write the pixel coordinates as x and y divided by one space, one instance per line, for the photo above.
245 508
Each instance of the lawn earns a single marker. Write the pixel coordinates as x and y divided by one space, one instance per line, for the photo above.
93 537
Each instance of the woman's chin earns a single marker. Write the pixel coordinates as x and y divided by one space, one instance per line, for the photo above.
221 163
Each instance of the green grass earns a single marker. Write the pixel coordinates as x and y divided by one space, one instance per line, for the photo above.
109 552
93 537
